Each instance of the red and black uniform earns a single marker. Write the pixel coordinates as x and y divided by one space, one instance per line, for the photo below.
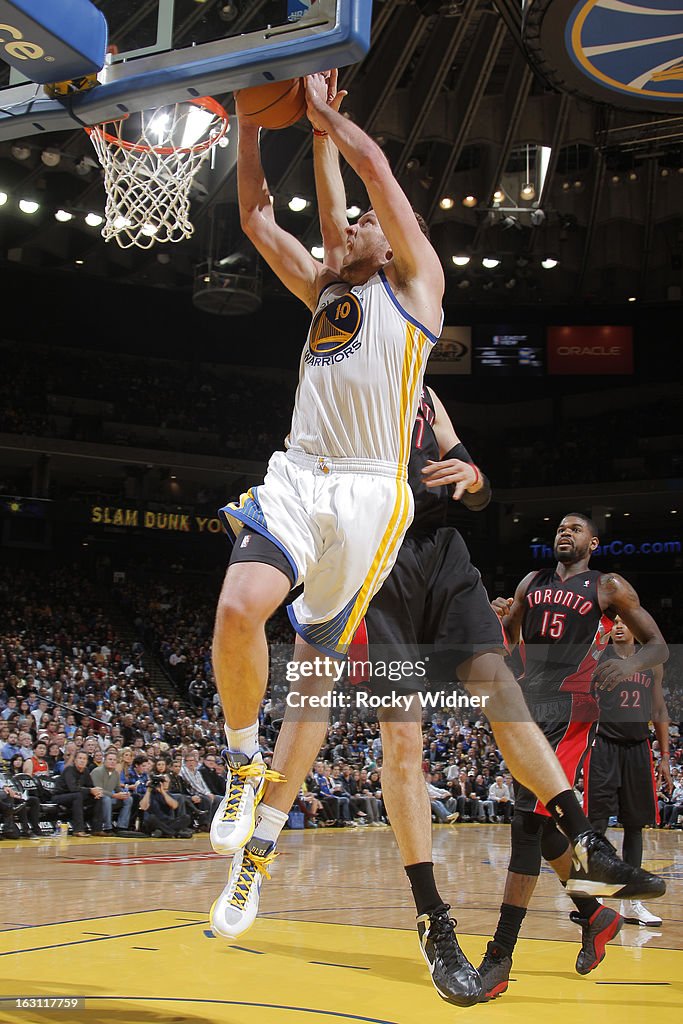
564 635
434 600
619 776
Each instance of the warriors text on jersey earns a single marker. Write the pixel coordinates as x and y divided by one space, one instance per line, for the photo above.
564 633
360 375
626 710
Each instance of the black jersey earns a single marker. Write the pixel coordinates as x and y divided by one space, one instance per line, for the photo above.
431 503
626 710
564 633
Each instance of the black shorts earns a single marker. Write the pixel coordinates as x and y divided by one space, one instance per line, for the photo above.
619 779
570 738
433 602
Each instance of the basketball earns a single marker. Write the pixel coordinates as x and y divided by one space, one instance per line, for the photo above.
274 105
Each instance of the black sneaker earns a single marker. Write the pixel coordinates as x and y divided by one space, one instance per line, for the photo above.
598 871
494 971
596 931
454 977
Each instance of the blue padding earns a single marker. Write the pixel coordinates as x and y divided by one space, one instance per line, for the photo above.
52 40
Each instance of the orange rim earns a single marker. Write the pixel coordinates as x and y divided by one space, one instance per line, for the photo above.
205 102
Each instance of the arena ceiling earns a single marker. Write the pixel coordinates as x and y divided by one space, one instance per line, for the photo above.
449 94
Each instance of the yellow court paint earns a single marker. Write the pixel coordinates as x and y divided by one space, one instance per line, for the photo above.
161 966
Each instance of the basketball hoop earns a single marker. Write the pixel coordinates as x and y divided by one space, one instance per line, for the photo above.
147 177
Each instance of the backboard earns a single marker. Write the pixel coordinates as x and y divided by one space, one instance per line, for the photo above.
169 50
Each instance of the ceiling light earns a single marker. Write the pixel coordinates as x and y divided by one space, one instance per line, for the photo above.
297 204
460 261
121 222
82 167
447 203
318 252
490 263
578 184
608 515
149 229
352 211
20 151
566 185
633 176
509 221
51 157
487 286
3 198
63 216
632 298
527 191
549 263
674 511
470 201
546 519
511 283
228 12
498 195
93 220
627 513
515 519
465 283
79 263
28 206
537 217
159 124
664 172
615 179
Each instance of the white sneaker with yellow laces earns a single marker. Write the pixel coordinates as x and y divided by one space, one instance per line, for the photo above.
234 821
236 908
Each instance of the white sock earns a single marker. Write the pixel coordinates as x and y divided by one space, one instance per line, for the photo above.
269 823
243 741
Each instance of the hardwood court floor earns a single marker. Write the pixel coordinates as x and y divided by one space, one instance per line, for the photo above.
124 924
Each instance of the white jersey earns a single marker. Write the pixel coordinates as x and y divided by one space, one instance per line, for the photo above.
360 375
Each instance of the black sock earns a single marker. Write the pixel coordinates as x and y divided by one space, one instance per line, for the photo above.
586 905
507 932
565 811
425 893
632 850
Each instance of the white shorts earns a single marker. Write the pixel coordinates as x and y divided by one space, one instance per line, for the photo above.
340 523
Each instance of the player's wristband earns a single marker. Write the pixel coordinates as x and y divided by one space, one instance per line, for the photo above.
320 134
477 501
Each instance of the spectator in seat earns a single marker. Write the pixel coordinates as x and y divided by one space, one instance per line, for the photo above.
197 784
11 747
499 792
37 764
14 806
26 745
55 758
444 806
106 777
190 803
159 807
482 791
336 805
75 791
214 781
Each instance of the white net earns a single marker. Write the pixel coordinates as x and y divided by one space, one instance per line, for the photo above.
149 162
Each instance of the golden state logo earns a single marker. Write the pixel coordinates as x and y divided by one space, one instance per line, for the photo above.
333 334
634 47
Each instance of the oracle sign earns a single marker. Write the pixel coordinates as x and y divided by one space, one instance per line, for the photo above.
590 350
